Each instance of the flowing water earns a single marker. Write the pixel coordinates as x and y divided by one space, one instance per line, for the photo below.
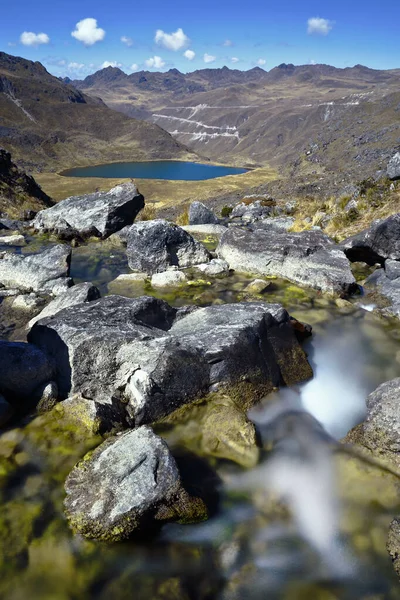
173 170
250 547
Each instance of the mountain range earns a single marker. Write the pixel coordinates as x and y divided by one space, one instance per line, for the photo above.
310 118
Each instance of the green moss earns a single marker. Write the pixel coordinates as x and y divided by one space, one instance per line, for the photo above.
226 211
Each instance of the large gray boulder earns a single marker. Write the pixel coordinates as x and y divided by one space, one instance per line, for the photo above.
376 244
99 214
152 359
46 271
386 282
24 370
381 428
129 481
153 246
77 294
253 211
200 214
393 168
308 258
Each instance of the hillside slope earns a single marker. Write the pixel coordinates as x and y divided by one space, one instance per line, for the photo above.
48 124
19 191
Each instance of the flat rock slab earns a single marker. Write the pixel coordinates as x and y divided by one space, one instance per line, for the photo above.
37 272
77 294
122 486
153 359
99 214
376 244
12 240
153 246
308 258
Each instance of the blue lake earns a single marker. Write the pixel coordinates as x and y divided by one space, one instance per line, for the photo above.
171 169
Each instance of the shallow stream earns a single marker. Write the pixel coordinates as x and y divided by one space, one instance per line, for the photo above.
249 548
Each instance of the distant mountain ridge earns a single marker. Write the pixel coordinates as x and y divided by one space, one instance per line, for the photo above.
307 117
49 124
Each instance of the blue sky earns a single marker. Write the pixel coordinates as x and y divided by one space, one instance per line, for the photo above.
75 38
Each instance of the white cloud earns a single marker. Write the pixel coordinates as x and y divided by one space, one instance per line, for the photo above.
110 63
235 59
228 43
319 26
74 66
28 38
312 62
209 58
172 41
127 40
189 54
87 32
11 44
261 62
155 62
134 67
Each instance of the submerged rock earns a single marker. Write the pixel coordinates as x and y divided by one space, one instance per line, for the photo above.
46 271
393 168
24 369
153 359
375 244
153 246
168 278
200 214
99 214
82 292
308 258
128 482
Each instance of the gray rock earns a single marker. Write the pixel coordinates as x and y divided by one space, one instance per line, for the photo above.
308 258
122 486
393 544
257 286
99 214
351 208
376 244
393 168
23 369
153 246
246 341
118 348
12 240
251 212
381 428
387 283
200 214
28 302
82 292
215 267
168 278
36 272
152 359
48 396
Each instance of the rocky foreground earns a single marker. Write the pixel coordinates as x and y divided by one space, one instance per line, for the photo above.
123 368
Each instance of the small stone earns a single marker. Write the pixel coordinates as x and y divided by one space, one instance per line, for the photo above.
48 394
12 240
257 286
216 266
168 278
27 302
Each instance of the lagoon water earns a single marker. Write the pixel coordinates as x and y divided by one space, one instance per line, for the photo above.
168 169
